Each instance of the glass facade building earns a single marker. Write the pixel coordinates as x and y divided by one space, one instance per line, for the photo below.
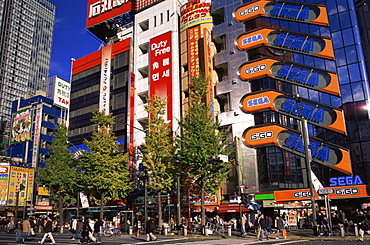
26 31
278 169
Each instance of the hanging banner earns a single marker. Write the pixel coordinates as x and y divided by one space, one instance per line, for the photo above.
297 74
193 51
318 114
84 200
284 10
21 126
4 178
287 40
104 97
131 143
30 184
292 141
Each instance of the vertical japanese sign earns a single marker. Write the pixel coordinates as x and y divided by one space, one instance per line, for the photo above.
17 177
62 90
30 184
160 70
21 126
105 79
4 178
193 51
131 144
36 135
239 157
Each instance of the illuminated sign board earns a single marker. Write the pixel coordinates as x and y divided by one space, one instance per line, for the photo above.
338 192
160 69
304 76
62 91
194 13
291 140
287 40
100 10
292 11
345 181
315 113
105 74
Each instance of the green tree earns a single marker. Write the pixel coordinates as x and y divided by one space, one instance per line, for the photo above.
60 172
158 151
201 141
105 169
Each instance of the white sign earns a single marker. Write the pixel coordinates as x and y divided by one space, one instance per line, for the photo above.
103 6
62 90
105 79
36 136
84 200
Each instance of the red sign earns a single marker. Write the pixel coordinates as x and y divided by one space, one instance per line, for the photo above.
160 70
132 123
101 10
193 50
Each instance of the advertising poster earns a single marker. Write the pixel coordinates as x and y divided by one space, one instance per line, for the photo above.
84 200
36 135
105 74
18 175
4 178
62 93
30 183
21 126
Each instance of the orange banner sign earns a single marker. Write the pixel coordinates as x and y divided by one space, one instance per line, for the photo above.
315 113
301 75
287 40
292 141
292 11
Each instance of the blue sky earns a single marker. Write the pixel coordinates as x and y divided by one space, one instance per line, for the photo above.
70 38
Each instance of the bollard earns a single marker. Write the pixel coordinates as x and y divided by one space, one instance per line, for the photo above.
356 230
229 230
341 227
130 230
185 230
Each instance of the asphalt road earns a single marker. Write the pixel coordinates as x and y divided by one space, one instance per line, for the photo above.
7 239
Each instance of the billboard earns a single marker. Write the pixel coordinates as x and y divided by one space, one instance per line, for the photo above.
62 90
160 69
36 135
18 175
194 13
297 74
21 126
131 144
105 74
292 141
287 40
4 178
284 10
100 10
315 113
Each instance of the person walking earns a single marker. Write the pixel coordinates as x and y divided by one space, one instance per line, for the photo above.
26 229
48 228
363 224
149 227
18 230
79 227
73 225
243 223
264 223
97 229
279 226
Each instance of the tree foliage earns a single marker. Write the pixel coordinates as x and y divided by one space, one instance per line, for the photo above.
158 150
60 172
105 169
200 141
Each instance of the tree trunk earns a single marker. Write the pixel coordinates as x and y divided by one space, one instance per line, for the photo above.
102 206
160 221
203 210
61 211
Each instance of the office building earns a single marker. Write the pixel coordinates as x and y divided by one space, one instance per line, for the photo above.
26 31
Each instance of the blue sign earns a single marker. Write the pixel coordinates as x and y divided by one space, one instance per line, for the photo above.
345 181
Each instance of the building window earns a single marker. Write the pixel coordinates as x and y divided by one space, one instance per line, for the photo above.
144 48
224 102
218 16
144 71
144 26
220 43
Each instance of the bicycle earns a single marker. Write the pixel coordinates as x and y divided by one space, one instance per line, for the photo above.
112 232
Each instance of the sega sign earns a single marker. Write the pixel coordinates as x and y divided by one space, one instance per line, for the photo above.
345 181
292 11
287 40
